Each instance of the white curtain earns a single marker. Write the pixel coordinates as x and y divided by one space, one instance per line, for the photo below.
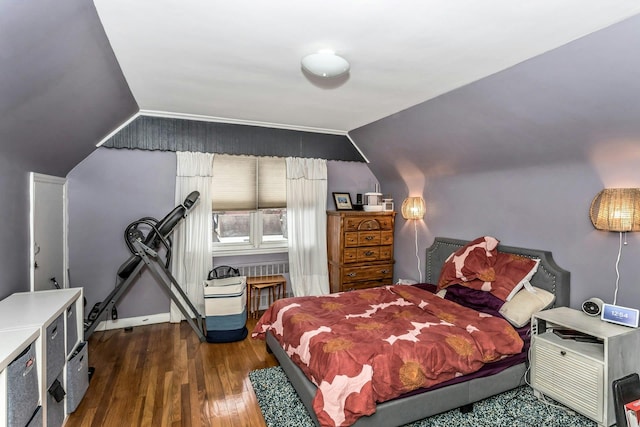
307 226
192 258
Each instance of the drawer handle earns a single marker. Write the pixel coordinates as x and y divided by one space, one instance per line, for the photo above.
563 353
368 253
385 271
352 274
368 238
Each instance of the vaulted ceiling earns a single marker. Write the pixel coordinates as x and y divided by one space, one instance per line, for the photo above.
73 73
240 60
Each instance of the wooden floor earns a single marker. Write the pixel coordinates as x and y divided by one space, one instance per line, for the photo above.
162 375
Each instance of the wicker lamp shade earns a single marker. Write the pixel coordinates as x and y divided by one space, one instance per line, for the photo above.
616 209
413 208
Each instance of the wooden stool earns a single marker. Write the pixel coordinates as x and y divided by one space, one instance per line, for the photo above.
276 286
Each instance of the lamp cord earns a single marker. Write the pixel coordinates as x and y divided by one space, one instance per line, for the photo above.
415 225
615 294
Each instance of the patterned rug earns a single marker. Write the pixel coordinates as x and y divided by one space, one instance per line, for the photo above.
281 407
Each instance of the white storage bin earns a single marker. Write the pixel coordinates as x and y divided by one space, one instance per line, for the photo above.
225 296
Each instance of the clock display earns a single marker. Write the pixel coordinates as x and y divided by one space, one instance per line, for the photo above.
620 315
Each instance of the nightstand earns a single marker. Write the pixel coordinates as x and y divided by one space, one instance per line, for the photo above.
579 374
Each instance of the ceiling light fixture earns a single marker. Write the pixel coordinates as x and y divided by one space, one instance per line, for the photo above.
325 64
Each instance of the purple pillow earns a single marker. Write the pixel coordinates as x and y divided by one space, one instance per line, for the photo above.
477 300
426 287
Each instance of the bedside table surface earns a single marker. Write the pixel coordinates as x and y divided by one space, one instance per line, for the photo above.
575 319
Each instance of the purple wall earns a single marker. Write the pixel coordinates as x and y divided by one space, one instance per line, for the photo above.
62 91
14 232
107 191
520 155
111 188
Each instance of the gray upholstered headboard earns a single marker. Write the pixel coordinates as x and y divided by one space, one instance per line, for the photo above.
550 276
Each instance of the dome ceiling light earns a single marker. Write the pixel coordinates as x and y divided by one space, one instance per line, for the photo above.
325 64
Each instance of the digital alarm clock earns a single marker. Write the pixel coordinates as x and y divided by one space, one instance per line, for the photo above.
620 315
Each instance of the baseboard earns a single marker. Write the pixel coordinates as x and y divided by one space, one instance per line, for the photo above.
106 325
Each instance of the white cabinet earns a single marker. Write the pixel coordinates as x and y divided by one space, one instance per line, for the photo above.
56 328
576 372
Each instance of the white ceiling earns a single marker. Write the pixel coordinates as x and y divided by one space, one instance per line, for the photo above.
239 61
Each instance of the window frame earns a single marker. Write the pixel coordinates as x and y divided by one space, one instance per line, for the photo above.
256 244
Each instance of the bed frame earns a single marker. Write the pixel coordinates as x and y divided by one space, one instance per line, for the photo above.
416 407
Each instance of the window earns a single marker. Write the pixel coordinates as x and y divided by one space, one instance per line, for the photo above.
249 206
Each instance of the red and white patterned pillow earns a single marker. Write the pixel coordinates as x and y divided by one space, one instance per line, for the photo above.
478 265
473 261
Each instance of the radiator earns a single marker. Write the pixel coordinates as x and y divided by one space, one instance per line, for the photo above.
266 269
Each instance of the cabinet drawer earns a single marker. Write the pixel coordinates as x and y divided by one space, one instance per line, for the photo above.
368 254
366 238
386 237
369 238
346 287
375 272
351 239
386 253
568 376
368 223
350 255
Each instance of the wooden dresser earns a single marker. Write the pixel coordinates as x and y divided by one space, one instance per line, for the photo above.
360 249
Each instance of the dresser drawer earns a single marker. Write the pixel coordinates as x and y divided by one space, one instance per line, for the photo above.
373 272
368 223
365 238
386 237
346 287
350 255
368 254
368 238
386 253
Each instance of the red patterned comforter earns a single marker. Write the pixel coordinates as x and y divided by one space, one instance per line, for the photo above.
372 345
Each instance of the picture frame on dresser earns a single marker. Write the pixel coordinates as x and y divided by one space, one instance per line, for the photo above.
342 201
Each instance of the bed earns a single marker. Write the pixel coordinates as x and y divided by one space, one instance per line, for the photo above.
451 394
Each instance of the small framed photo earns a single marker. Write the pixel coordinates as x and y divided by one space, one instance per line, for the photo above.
343 201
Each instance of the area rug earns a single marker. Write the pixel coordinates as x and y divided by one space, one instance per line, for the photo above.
281 407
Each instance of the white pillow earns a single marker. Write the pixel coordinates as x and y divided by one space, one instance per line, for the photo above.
524 304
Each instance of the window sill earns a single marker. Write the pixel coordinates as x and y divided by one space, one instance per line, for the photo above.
247 251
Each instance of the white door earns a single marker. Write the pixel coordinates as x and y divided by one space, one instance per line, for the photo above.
48 232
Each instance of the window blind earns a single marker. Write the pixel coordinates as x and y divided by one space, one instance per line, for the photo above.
248 183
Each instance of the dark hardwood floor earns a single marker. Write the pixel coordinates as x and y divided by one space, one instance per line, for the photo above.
162 375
